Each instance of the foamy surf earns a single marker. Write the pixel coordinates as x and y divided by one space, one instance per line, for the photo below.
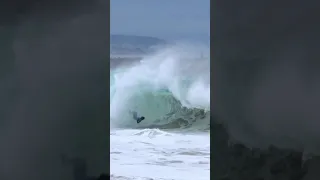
157 154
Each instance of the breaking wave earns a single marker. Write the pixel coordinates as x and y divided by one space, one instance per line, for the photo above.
170 88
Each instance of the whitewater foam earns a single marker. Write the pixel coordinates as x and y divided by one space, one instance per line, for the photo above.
157 154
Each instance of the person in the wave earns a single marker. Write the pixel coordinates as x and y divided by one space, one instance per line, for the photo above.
136 117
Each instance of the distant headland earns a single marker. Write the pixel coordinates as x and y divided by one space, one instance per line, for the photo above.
132 44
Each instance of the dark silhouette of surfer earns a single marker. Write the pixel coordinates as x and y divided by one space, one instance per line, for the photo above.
136 117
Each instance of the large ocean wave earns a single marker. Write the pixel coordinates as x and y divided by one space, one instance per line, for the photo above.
171 88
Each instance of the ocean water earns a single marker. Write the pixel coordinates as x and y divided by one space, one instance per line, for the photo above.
171 89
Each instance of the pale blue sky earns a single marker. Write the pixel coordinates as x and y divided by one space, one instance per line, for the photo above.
168 19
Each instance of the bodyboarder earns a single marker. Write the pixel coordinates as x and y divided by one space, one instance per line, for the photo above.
136 117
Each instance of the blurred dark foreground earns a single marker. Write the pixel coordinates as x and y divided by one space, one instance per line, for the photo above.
266 89
53 88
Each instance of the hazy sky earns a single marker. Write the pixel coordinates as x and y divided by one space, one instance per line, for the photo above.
169 19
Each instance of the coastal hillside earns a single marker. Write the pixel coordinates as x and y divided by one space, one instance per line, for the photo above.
131 44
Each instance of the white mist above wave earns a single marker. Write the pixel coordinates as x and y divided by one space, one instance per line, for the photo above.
170 85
